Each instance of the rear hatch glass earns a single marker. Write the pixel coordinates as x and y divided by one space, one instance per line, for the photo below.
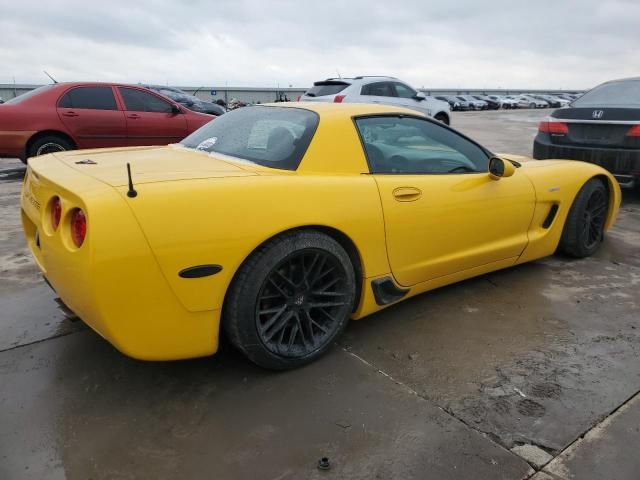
321 89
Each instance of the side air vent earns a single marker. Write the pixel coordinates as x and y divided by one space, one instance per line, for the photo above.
550 216
385 291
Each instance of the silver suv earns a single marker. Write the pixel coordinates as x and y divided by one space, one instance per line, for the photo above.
385 90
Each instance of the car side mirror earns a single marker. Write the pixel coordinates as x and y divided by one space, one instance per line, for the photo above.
420 96
175 109
499 168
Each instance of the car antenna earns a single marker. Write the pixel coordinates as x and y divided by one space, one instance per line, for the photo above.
52 79
131 193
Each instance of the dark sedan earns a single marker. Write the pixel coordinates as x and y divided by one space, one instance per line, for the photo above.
492 103
190 101
601 127
455 103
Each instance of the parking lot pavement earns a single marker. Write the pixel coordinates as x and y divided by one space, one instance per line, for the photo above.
609 451
444 385
74 406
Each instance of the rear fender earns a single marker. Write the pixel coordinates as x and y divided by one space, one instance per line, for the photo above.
222 221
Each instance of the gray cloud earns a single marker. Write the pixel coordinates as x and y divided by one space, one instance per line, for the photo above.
570 44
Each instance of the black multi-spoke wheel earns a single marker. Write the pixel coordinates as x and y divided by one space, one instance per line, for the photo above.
584 228
301 302
594 217
290 300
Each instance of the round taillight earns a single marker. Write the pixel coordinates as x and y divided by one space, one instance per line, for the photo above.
56 212
78 227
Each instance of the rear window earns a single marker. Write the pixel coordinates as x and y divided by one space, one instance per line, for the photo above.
275 137
29 94
618 94
320 89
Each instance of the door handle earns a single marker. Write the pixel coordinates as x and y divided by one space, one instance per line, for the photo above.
407 194
133 116
69 114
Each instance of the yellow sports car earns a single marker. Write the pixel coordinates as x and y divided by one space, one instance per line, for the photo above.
279 223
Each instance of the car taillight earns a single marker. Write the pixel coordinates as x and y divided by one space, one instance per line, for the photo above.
338 98
78 227
634 131
56 212
560 128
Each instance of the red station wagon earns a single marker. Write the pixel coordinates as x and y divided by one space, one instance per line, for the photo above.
66 116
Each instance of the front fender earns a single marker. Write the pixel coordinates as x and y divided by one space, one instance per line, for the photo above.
557 182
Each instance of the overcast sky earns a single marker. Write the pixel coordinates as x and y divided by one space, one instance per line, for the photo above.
455 43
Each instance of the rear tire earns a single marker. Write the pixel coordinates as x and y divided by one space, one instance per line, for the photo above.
290 300
584 227
49 144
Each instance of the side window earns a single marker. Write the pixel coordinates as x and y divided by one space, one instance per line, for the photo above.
95 98
379 89
139 101
411 146
404 91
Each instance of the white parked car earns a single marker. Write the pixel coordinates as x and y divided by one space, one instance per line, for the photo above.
505 102
384 90
525 101
474 102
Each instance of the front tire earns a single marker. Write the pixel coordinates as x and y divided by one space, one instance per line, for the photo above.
290 300
584 228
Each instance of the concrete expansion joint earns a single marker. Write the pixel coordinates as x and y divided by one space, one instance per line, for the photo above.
53 337
492 438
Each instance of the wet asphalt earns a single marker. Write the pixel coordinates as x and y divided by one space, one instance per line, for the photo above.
529 372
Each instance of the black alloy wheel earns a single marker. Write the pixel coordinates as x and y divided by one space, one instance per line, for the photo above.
291 298
595 215
301 303
584 228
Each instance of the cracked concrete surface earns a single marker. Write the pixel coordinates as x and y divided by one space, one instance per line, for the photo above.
446 385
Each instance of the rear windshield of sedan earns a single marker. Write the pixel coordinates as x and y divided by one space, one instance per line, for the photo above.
615 94
29 94
275 137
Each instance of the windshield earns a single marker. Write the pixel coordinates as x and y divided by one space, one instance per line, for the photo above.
28 95
275 137
616 94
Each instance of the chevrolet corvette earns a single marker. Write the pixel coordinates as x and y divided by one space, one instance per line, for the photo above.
276 224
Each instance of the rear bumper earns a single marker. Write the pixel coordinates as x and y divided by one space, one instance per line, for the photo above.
13 144
624 164
113 282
